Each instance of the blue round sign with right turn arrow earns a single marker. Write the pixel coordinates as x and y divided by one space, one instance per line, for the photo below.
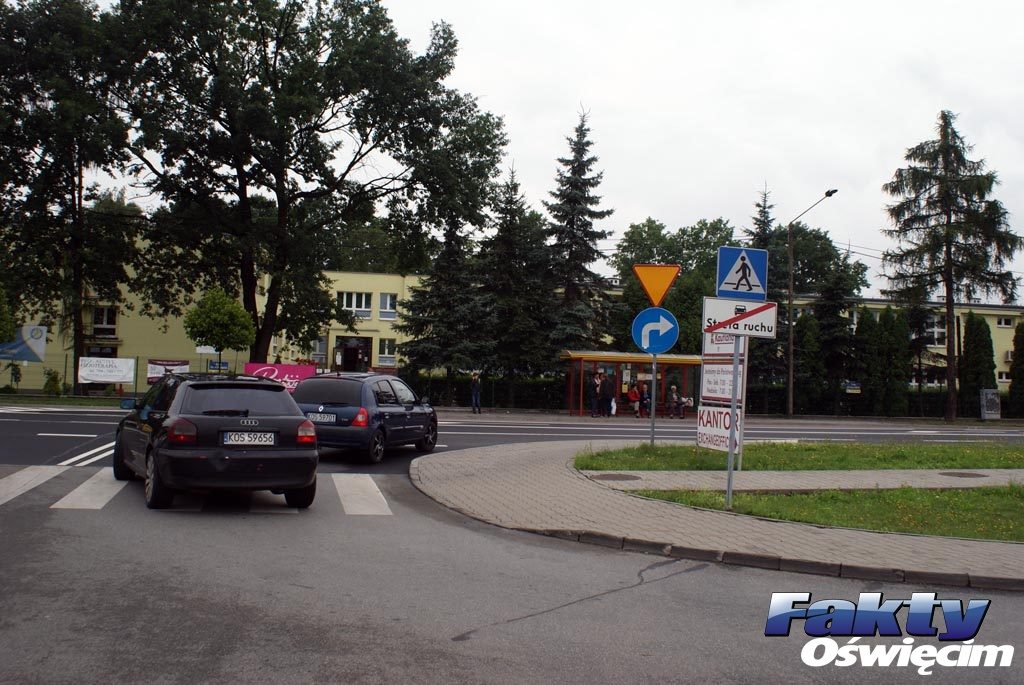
655 330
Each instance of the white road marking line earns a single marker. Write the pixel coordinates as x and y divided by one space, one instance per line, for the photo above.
85 455
101 455
360 495
66 435
93 493
26 479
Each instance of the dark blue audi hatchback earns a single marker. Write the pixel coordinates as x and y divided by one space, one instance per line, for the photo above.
366 412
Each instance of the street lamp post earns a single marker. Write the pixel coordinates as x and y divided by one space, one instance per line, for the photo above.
789 320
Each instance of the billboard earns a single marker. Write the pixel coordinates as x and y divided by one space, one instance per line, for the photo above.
29 345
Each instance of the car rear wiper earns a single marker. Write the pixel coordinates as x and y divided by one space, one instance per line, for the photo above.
226 412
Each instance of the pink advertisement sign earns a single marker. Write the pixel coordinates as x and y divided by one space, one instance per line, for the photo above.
288 374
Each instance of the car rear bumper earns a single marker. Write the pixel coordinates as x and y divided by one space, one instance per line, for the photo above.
343 437
208 469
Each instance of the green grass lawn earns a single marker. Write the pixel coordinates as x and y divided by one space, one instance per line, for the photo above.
992 513
808 457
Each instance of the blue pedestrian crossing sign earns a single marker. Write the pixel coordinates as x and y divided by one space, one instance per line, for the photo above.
742 273
655 330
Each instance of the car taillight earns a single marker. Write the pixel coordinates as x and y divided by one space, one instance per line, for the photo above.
181 432
362 418
307 433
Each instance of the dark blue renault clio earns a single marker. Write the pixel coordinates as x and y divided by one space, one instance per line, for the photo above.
366 412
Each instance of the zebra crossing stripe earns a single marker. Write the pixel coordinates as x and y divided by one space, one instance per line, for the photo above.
359 495
93 493
22 481
102 450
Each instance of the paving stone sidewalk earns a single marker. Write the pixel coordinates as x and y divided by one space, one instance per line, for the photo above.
803 481
533 487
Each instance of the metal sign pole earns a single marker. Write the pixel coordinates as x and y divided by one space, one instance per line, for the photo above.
732 421
746 361
654 390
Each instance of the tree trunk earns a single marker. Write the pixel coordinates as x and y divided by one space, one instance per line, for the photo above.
951 361
77 299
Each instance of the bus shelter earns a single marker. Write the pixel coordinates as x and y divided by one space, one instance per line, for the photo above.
625 368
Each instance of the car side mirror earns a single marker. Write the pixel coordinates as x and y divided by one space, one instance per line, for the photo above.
129 404
424 400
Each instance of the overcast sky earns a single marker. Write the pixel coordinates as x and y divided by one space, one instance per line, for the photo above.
696 106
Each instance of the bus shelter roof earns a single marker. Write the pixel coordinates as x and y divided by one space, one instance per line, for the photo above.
628 357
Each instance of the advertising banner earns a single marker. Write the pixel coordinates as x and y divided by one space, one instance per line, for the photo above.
288 374
106 370
29 345
157 368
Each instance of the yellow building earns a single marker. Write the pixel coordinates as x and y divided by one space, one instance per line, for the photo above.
1002 321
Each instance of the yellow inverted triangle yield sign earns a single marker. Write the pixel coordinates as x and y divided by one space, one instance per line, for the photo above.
656 279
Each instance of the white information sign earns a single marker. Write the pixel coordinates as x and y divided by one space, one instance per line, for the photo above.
740 317
719 344
716 381
713 425
106 370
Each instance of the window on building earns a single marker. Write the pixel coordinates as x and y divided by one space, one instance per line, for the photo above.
318 351
1004 377
386 350
388 306
1004 322
359 303
935 330
104 322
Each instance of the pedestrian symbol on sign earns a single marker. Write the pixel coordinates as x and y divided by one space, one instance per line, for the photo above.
742 278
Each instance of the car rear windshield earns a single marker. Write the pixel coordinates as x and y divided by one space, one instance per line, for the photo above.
336 391
238 400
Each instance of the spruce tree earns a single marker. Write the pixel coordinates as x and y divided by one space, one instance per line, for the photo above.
582 319
836 292
868 363
951 237
1016 403
516 284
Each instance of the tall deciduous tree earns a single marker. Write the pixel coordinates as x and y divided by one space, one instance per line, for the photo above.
978 370
7 327
582 320
516 281
836 293
811 375
57 124
868 363
952 238
319 106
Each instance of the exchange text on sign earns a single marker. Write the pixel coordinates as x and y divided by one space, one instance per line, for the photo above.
713 424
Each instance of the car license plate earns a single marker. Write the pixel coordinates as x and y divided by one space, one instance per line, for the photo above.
322 418
248 438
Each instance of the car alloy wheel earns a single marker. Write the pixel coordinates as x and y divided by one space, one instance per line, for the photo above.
375 452
158 495
429 439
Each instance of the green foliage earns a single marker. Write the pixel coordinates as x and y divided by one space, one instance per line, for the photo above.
895 360
810 381
1016 399
583 320
978 365
219 321
517 280
8 329
868 364
695 249
321 108
51 384
836 292
951 237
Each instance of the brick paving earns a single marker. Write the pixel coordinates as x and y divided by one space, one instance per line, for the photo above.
533 487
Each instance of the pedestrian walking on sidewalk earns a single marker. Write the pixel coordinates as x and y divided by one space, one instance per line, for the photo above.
474 391
607 394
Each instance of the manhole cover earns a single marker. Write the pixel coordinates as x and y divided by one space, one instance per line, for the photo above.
961 474
615 476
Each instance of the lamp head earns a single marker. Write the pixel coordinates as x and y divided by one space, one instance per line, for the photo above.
830 193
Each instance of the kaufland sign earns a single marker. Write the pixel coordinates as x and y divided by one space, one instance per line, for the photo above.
713 424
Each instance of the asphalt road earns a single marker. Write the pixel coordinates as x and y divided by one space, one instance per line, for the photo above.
239 588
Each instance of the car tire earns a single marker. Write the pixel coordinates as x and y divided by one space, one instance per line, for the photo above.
301 498
375 450
121 470
158 495
429 439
